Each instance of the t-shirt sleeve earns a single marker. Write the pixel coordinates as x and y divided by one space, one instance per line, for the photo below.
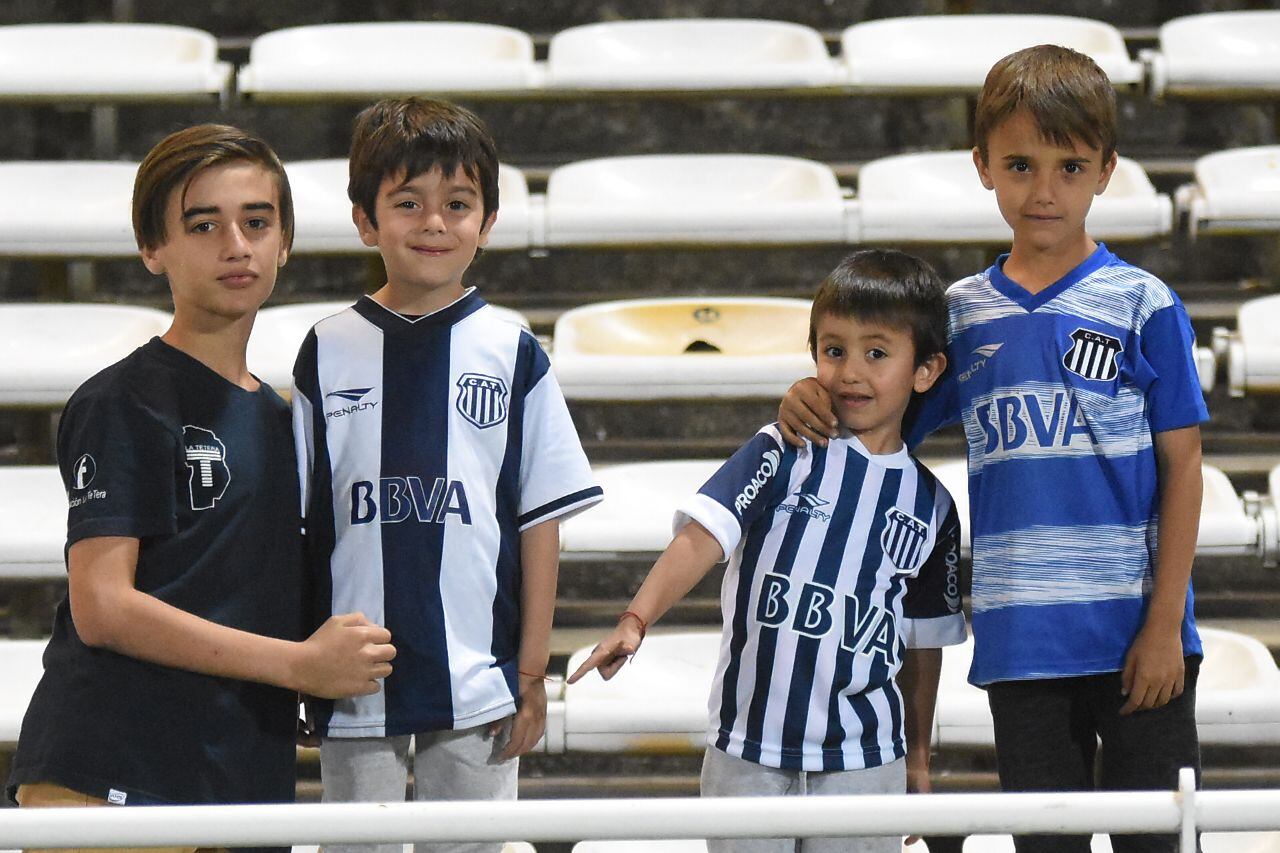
117 462
555 477
739 491
931 607
1168 346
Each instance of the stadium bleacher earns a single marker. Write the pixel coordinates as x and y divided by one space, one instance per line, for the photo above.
735 159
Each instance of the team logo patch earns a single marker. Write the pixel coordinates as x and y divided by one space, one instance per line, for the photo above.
903 539
209 475
83 472
1093 355
482 399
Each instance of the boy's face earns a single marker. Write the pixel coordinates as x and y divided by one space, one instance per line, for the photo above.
429 228
1044 190
223 242
869 370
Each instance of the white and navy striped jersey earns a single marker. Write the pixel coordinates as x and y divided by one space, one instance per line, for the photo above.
1061 393
425 446
837 560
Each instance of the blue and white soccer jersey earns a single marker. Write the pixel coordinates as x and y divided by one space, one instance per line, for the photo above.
1061 393
837 559
425 447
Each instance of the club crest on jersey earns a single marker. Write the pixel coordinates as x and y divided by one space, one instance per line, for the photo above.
1093 355
208 474
482 399
903 539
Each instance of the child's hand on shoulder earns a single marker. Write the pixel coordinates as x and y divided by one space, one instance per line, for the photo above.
529 722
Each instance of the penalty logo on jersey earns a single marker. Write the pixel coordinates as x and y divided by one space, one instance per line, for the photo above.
1093 355
903 539
482 399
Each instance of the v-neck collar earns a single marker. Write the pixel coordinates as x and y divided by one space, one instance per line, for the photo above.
1100 257
394 322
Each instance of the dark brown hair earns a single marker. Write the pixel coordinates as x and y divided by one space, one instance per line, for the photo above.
412 135
1069 97
175 161
890 287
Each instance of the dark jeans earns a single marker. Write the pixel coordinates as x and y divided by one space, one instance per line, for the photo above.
1047 733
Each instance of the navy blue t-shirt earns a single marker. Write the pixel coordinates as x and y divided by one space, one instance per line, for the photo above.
160 448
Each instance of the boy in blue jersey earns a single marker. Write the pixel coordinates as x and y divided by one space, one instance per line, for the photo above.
1074 377
173 672
437 459
842 583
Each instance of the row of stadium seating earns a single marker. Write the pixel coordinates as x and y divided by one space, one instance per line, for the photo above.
725 199
633 521
1218 54
639 349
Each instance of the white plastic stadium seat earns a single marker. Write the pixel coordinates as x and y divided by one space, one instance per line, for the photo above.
322 209
509 847
949 53
38 220
33 522
109 62
1252 351
1237 696
20 671
646 349
279 331
656 703
690 54
1217 55
938 197
397 58
1235 192
694 198
690 845
640 500
47 350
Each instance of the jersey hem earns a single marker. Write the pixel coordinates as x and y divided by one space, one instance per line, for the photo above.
567 505
935 632
466 721
829 760
120 525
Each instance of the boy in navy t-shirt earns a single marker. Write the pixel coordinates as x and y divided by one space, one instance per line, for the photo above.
177 657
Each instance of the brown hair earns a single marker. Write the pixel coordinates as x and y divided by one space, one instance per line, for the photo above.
1068 96
414 135
890 287
176 160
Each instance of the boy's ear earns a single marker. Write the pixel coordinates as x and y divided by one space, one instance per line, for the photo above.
928 372
151 260
1104 177
283 258
984 173
368 232
486 228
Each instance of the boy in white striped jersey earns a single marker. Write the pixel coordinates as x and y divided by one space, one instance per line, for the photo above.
1075 381
842 582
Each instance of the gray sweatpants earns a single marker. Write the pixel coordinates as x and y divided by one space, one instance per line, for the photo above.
724 775
447 765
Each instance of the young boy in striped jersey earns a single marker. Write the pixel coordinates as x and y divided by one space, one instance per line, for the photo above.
1074 378
842 582
437 457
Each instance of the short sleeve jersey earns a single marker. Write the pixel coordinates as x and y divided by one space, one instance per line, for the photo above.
838 559
425 447
162 449
1061 394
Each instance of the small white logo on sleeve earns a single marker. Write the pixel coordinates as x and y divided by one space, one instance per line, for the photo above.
116 798
84 471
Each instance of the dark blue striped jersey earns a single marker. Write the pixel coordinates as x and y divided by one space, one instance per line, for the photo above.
425 447
838 560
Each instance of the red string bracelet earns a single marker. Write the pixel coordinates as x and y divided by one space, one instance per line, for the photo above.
644 626
543 676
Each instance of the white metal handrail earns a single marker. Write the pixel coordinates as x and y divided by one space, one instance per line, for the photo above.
1185 812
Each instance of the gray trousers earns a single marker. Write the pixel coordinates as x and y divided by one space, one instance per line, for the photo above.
723 775
447 765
